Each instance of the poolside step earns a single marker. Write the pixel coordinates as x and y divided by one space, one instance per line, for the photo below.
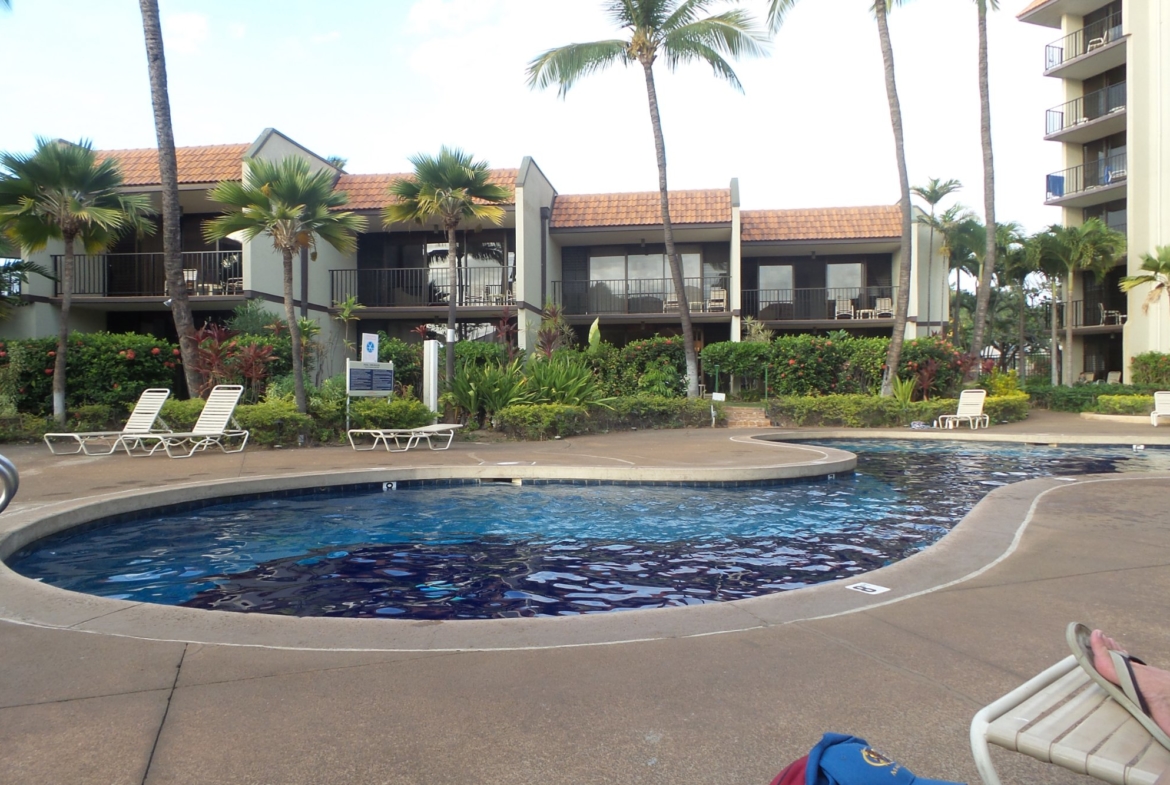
747 417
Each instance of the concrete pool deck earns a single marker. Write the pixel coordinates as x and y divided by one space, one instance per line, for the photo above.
716 694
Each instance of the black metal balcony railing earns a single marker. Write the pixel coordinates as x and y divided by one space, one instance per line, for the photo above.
640 295
142 274
1083 41
417 287
1094 312
1091 106
783 305
1104 171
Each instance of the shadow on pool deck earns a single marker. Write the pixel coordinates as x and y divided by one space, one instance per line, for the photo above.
728 708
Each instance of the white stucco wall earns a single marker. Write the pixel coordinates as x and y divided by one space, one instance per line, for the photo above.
533 191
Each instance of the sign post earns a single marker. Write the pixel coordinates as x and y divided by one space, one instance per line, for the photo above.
367 379
430 388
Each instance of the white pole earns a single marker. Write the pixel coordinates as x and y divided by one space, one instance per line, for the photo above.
431 374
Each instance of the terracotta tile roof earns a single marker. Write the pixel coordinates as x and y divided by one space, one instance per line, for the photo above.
579 211
207 164
368 191
828 223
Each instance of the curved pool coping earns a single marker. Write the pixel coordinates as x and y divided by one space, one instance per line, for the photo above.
986 536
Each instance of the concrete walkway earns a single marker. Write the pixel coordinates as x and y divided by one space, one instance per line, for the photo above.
733 707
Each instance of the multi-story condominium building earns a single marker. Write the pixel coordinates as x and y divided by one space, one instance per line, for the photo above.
1114 128
598 256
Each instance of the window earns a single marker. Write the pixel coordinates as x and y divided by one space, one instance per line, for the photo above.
843 280
776 284
607 268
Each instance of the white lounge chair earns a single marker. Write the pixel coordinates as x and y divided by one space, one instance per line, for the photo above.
883 308
142 421
1161 407
1113 377
970 410
844 310
410 436
210 429
1062 717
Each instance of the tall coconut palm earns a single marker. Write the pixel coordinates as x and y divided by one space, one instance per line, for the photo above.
450 188
948 224
1016 263
983 292
932 193
967 240
169 178
293 206
1157 274
1091 248
678 33
62 192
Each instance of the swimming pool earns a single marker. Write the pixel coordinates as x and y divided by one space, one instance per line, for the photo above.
489 551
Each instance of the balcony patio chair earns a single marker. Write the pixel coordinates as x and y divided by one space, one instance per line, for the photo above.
883 308
1161 407
970 410
142 421
1095 43
211 429
670 303
1107 314
843 309
410 437
717 301
1113 377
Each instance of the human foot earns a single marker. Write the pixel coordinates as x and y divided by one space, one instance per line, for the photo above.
1152 683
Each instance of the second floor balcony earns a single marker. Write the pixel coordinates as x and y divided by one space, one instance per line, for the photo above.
1093 183
640 296
142 274
482 287
817 305
1093 49
1094 115
1100 311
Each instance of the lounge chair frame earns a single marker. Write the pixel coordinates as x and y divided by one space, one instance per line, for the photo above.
1161 407
970 411
142 422
410 436
211 429
1062 717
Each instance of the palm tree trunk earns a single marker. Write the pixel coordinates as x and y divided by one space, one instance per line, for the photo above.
1068 331
63 330
1053 369
983 294
676 272
452 286
902 306
294 331
930 269
955 312
1021 335
171 216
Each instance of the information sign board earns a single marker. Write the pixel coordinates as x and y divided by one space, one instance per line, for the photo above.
369 380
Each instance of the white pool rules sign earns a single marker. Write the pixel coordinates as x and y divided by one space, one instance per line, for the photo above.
369 347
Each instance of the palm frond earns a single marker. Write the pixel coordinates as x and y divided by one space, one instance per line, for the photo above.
566 65
449 187
777 12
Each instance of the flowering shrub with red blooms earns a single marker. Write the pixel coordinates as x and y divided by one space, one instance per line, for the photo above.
103 370
950 365
619 370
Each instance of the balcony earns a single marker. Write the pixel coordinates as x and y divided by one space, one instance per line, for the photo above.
421 288
1095 115
1089 184
1096 315
642 296
871 303
1092 50
142 275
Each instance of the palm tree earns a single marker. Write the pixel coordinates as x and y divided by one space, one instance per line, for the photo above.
13 275
169 178
677 32
966 239
1157 273
983 292
1092 248
61 192
1016 263
933 193
293 206
452 188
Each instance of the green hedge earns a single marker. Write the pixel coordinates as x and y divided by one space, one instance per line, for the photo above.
868 411
1125 404
1152 368
1081 397
545 421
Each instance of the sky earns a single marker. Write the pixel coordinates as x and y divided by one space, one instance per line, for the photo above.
377 81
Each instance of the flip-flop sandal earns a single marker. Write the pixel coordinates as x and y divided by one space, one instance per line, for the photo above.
1126 694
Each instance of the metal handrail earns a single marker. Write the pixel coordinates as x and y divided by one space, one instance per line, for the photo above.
144 275
9 482
1083 41
1105 171
1090 106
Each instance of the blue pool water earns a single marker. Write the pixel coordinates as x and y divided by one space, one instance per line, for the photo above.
500 550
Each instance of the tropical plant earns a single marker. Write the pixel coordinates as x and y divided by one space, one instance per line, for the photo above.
563 379
168 169
1157 275
450 188
965 241
1016 264
293 206
983 291
555 332
755 331
904 391
1063 251
61 191
678 33
932 193
347 312
13 276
